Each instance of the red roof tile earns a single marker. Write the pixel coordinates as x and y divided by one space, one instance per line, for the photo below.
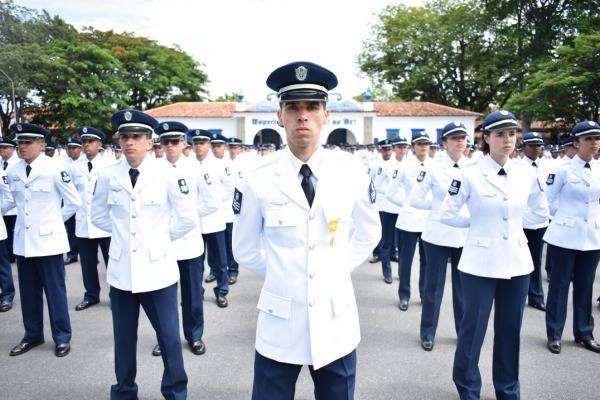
418 109
194 109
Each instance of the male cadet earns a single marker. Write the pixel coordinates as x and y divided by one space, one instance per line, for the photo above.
188 249
159 151
39 184
213 224
9 158
218 144
534 224
7 286
117 151
84 172
50 149
295 214
388 211
73 154
145 206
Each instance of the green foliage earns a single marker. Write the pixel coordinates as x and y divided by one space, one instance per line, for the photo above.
566 87
228 97
65 78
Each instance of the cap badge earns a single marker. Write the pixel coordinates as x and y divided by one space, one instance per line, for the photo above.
503 112
84 129
591 123
166 126
127 115
19 127
301 73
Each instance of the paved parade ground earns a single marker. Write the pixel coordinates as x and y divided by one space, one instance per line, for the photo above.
391 363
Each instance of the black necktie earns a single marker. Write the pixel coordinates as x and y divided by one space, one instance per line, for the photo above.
90 166
5 165
307 186
27 169
502 172
456 165
133 175
587 165
533 164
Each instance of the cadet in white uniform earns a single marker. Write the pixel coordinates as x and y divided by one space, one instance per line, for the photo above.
9 157
535 226
84 172
573 239
213 224
411 221
39 185
440 241
145 206
73 154
188 249
7 286
295 215
495 263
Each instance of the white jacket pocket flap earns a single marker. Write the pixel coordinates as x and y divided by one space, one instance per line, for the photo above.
158 252
48 230
480 241
562 221
280 218
114 251
275 305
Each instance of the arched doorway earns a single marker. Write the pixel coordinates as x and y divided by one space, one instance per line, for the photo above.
341 135
268 135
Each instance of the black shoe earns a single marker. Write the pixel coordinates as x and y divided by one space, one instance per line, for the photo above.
589 344
387 279
222 301
71 260
23 347
554 346
85 304
156 351
403 306
5 305
210 278
62 349
427 345
394 258
232 280
374 259
198 347
538 306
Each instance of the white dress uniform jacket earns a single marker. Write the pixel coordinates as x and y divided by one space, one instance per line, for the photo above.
387 172
308 312
11 161
576 224
429 193
40 229
6 202
85 181
220 172
211 222
410 219
496 245
531 220
191 244
141 255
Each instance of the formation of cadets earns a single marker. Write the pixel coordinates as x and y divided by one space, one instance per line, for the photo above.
156 213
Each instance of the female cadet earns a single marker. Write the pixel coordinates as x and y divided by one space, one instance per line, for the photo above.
411 221
495 263
441 242
573 239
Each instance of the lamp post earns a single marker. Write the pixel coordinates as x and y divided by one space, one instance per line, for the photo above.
12 85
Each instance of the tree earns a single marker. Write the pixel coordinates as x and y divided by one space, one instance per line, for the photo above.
228 97
566 87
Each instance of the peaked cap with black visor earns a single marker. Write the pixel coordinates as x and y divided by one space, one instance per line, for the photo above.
302 81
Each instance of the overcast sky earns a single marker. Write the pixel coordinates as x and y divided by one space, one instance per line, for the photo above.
241 41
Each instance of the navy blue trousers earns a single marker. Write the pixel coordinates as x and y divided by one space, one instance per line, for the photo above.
216 247
38 275
508 298
388 242
233 267
9 221
581 267
535 242
406 253
7 286
70 227
88 252
377 249
435 271
192 298
274 380
161 308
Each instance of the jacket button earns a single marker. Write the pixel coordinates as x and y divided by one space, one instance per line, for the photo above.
132 233
312 275
504 218
280 222
311 303
27 227
26 186
505 198
311 216
505 237
133 199
134 250
270 311
585 219
311 247
133 216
